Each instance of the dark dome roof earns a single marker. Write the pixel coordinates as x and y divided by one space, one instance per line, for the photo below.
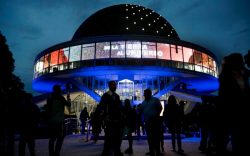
125 19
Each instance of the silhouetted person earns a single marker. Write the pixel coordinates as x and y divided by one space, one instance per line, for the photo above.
173 116
232 105
140 126
96 123
84 115
113 120
130 124
55 110
205 116
151 108
29 120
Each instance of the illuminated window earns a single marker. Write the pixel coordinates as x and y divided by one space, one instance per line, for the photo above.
148 50
205 60
46 60
197 61
63 59
176 55
75 53
215 66
133 49
163 51
197 58
54 58
88 51
102 50
188 58
210 63
39 65
188 53
63 55
118 49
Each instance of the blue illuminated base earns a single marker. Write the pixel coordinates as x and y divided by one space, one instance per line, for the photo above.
132 80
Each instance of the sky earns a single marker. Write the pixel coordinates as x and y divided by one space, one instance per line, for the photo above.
31 26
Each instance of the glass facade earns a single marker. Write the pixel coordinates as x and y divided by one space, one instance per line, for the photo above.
118 49
163 51
133 49
102 50
75 53
148 50
175 56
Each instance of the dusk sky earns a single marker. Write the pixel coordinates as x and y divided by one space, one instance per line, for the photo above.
31 26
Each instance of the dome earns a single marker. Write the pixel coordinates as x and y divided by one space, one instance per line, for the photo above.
125 19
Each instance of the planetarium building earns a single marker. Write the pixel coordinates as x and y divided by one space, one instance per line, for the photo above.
132 45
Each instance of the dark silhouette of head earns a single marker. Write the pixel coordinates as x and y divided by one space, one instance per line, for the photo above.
112 86
234 61
172 100
147 94
127 103
57 89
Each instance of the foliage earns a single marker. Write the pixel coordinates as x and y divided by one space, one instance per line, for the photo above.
11 86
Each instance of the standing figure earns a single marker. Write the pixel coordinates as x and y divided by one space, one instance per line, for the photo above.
232 106
130 124
30 118
113 120
55 111
83 118
96 123
151 108
206 118
140 126
173 118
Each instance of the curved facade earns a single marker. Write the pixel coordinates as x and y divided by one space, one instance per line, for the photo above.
122 43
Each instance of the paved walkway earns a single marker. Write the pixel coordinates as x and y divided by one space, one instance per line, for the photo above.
75 145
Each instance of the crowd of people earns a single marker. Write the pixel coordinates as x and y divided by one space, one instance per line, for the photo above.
221 119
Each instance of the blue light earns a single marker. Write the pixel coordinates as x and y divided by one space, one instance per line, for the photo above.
44 86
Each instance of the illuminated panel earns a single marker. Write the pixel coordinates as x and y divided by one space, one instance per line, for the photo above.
163 51
118 49
211 64
215 66
63 55
88 51
215 69
75 53
54 58
102 50
187 54
148 50
39 65
133 49
176 55
197 61
46 60
205 63
205 60
188 58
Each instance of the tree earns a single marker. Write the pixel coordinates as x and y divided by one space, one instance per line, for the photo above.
11 93
6 60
